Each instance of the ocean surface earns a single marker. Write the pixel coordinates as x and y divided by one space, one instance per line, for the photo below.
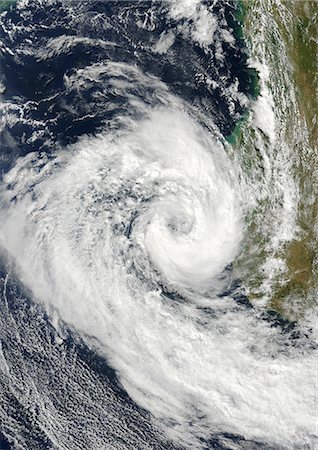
149 208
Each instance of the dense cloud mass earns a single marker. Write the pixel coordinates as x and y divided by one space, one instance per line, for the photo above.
123 211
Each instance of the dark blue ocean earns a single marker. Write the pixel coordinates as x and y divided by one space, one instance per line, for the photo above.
44 362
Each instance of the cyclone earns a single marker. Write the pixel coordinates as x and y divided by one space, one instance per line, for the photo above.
131 235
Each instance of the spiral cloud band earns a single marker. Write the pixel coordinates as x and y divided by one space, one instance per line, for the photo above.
127 235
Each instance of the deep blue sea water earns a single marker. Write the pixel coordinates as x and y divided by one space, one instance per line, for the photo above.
56 112
43 368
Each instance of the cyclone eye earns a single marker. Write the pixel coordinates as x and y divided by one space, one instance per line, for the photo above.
178 226
157 203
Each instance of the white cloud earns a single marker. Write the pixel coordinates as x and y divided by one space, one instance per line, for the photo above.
220 368
165 41
200 23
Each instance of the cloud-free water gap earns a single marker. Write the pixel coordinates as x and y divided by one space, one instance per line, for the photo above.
126 216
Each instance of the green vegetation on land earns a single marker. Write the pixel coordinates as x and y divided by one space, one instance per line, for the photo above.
301 253
294 24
